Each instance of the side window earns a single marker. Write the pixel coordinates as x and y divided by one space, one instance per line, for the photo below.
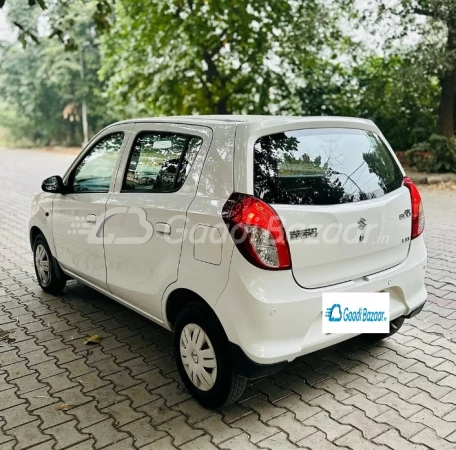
160 162
94 172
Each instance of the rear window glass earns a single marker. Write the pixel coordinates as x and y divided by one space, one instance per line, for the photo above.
323 166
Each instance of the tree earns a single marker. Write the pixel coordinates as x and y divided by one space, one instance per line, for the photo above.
48 85
437 47
224 56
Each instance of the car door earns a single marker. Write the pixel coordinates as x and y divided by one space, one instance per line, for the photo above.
78 215
146 214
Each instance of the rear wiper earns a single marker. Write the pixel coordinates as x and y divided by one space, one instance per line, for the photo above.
361 192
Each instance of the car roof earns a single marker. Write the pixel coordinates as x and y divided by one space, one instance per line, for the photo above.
247 119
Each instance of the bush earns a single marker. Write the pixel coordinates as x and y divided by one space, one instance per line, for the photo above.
436 155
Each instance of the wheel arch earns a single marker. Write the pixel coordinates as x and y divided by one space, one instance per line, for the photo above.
178 299
34 232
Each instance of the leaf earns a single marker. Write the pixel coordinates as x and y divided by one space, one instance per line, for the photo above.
64 407
95 339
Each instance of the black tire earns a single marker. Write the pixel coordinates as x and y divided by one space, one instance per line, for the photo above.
55 281
228 385
395 326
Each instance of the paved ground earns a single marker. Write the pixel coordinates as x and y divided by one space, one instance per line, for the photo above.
399 394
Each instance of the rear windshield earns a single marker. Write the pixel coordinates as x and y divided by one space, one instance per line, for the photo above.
324 166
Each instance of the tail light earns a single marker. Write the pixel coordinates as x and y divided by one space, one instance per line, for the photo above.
257 232
417 208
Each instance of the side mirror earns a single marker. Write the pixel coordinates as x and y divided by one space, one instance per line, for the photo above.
54 185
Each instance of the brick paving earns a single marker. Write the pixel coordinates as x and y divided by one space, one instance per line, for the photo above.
126 393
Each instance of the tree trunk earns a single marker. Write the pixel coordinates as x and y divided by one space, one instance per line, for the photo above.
85 125
222 106
447 102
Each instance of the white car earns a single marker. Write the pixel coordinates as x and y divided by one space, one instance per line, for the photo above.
227 230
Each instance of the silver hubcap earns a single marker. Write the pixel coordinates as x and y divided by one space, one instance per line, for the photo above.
42 264
198 357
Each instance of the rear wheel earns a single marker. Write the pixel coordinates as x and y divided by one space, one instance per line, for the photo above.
47 272
203 358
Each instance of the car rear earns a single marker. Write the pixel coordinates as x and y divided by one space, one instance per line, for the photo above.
321 205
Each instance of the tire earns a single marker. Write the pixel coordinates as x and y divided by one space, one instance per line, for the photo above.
216 384
395 326
48 273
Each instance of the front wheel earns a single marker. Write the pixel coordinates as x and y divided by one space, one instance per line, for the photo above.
47 272
203 358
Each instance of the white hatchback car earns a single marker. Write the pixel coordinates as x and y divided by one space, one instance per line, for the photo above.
224 229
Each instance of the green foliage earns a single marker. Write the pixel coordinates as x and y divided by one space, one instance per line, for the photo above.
399 98
224 56
43 83
438 154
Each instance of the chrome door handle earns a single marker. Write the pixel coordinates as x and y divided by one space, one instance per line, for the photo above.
91 218
164 228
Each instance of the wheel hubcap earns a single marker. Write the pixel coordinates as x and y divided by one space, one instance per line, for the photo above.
198 357
42 264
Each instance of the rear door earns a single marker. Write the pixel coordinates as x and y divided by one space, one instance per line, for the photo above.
146 214
340 195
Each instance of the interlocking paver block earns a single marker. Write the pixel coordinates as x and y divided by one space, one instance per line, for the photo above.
138 395
443 428
266 410
429 438
301 409
9 398
330 427
395 441
87 414
318 441
406 428
180 430
104 433
355 440
368 427
123 413
143 432
28 435
404 408
172 393
240 442
295 429
15 416
158 411
328 403
106 396
217 429
201 443
66 434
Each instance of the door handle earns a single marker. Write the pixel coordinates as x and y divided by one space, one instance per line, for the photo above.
91 218
164 228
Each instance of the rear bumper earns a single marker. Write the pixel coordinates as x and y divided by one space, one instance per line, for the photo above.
273 320
245 367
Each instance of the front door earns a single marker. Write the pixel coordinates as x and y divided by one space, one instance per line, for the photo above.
78 215
145 216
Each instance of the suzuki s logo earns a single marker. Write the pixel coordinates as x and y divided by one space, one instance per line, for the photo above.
362 223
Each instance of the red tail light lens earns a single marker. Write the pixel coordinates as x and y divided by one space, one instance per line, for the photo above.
257 232
417 208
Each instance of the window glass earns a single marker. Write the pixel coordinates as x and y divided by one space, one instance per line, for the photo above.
323 167
94 172
160 162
